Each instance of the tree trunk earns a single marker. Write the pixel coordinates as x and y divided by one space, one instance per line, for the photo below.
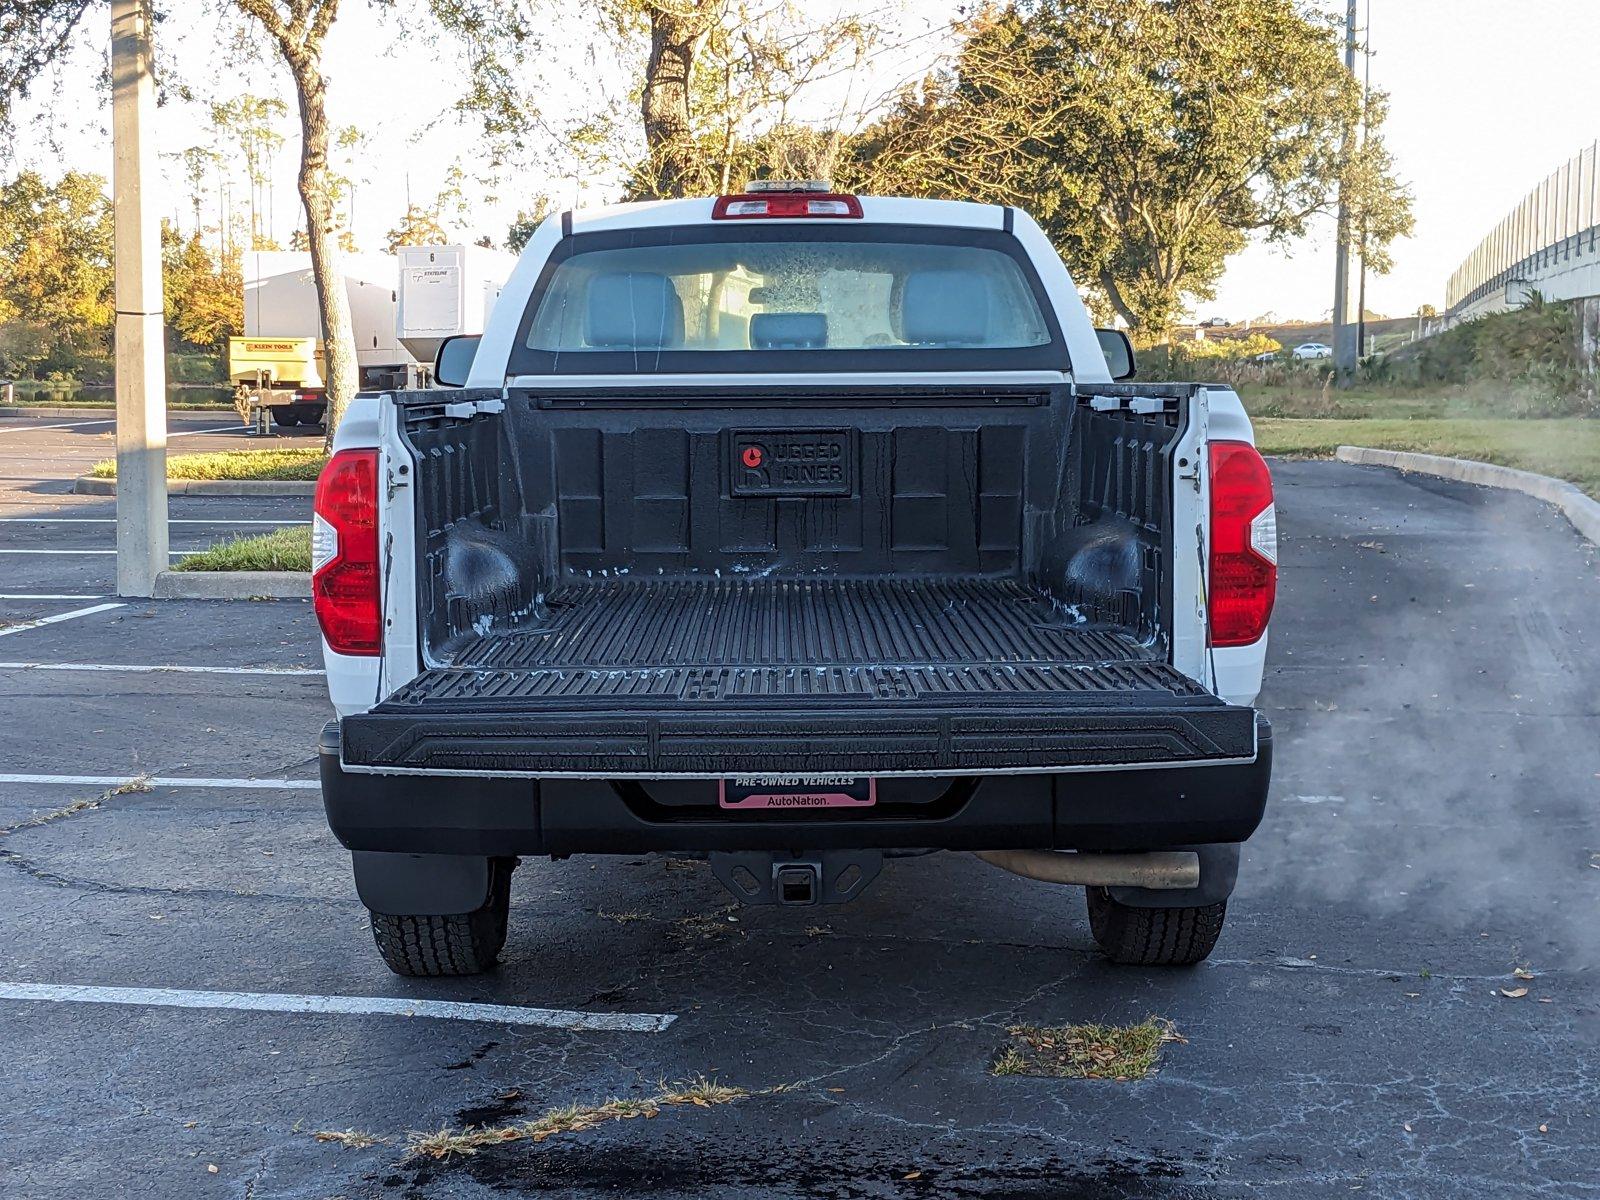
340 372
677 31
1114 295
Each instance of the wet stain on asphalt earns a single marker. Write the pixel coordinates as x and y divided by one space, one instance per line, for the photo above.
830 1171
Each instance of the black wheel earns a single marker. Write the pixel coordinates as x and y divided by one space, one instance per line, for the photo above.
1152 937
285 418
468 944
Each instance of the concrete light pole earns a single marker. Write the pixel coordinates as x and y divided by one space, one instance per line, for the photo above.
141 370
1344 334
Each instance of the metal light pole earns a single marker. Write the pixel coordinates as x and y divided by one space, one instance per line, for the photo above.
1344 334
141 371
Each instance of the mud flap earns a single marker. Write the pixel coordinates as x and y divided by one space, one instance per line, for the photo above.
411 885
770 877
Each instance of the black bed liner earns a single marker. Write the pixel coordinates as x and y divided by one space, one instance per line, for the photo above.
869 676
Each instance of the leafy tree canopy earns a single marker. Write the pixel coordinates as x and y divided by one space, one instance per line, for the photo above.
55 269
1151 138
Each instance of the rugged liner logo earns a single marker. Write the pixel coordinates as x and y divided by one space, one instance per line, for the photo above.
792 463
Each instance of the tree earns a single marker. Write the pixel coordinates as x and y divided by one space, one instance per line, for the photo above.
419 227
55 269
34 37
527 222
251 121
494 39
299 30
1151 138
678 28
204 297
717 91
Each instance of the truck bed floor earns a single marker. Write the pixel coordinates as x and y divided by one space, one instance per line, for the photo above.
802 623
673 677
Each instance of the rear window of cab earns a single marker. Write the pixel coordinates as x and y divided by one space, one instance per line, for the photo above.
787 298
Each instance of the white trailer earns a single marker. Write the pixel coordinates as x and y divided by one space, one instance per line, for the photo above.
447 290
280 301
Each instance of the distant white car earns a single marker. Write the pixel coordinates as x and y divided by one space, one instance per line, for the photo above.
1217 323
1266 357
1307 351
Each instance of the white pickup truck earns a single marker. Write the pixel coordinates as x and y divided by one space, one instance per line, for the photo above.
797 531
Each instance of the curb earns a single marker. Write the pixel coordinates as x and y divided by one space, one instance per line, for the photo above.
233 585
89 485
1582 510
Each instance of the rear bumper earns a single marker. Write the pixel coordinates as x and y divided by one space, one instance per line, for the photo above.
1150 808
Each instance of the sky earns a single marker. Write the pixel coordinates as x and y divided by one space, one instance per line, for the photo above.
1486 99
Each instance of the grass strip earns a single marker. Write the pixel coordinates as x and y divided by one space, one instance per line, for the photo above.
302 464
1568 447
281 550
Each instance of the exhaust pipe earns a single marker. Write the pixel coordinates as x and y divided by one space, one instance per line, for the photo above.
1162 870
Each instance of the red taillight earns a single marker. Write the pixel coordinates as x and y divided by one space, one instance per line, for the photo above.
1244 544
345 584
754 205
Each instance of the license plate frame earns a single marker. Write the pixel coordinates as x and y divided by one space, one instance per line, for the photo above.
795 793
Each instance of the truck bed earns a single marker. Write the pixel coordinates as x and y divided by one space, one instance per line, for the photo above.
872 676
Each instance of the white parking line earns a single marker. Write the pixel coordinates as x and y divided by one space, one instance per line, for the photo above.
59 617
173 553
449 1010
42 428
172 781
217 429
158 668
113 521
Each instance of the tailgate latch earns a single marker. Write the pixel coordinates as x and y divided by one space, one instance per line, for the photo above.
472 408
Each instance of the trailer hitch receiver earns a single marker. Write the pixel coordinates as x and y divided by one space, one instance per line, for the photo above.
796 878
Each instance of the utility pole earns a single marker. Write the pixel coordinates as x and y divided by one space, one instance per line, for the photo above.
141 370
1344 334
1366 96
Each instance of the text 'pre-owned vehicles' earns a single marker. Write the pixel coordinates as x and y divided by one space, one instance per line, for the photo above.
798 531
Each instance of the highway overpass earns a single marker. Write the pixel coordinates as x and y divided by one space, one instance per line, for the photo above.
1549 243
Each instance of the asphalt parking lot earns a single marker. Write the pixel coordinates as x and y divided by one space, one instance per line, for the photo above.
1434 680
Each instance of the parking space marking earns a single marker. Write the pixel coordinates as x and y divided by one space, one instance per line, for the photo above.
215 429
57 619
173 553
42 428
113 521
449 1010
171 781
159 668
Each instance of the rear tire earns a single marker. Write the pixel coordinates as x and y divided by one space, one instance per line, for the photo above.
1153 937
465 944
285 418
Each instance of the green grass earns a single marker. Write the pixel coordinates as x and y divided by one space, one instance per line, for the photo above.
300 464
1568 448
280 550
1122 1052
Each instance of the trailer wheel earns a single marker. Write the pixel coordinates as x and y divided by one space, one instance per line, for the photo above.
1153 937
467 944
285 418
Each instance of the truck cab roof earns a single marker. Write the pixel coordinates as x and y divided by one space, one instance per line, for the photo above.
517 348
